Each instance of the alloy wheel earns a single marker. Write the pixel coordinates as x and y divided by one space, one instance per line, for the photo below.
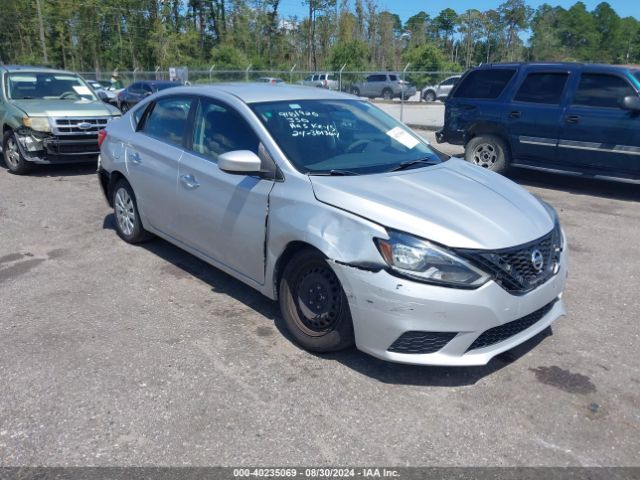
125 212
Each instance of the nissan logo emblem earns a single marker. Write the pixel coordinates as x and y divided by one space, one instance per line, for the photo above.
537 259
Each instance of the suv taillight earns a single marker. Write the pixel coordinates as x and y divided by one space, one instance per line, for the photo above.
102 134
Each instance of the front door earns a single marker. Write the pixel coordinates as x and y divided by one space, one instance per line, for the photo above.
220 214
152 159
597 133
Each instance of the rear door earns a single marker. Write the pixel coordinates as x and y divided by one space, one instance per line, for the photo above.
597 133
222 215
534 115
152 157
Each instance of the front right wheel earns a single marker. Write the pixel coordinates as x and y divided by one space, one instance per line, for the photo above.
128 223
313 304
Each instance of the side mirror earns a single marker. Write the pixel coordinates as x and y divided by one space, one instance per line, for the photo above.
631 103
240 162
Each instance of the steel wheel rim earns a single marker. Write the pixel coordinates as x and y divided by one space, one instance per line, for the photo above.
485 155
13 155
125 213
318 300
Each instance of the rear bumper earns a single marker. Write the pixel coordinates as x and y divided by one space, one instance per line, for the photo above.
384 308
455 137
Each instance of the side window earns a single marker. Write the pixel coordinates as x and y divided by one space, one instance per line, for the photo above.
393 78
218 129
315 78
146 88
135 88
601 90
485 83
309 78
167 120
541 87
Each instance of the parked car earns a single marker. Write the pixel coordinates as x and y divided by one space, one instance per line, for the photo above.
431 93
48 116
135 92
580 119
271 80
361 231
106 94
321 80
386 85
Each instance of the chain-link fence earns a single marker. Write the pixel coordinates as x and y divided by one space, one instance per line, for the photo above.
346 81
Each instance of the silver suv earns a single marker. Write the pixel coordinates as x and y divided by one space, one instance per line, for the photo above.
440 91
385 85
321 80
360 230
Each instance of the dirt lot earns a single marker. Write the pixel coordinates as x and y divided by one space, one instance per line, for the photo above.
112 354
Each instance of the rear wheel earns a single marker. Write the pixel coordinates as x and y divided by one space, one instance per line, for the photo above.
313 304
128 224
488 151
13 158
387 94
356 91
429 96
124 107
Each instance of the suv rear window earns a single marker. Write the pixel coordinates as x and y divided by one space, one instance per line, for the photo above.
542 88
485 83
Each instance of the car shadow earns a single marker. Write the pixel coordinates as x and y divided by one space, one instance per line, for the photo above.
382 371
576 185
60 170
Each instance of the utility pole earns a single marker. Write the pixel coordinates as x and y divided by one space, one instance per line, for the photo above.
42 39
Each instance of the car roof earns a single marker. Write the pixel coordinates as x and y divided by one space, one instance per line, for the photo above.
157 82
264 92
568 65
33 69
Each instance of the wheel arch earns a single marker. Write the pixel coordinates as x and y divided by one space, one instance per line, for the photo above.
492 129
290 250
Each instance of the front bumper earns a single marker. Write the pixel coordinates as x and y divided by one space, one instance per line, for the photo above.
384 307
45 148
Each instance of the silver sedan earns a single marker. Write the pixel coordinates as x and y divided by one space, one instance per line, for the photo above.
362 232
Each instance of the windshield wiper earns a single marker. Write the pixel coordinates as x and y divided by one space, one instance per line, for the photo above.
335 173
411 163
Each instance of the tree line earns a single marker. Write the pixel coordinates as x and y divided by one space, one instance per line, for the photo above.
100 35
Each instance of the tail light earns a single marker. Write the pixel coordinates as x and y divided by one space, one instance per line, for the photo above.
102 134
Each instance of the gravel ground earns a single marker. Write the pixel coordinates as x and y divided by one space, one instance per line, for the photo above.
112 354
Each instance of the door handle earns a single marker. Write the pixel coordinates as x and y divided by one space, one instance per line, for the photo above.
572 118
189 181
514 114
134 157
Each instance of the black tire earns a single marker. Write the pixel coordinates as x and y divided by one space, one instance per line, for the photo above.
387 94
124 107
12 156
356 91
429 96
125 205
488 151
313 304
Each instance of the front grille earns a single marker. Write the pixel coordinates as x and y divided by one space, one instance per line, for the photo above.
514 269
421 342
79 126
498 334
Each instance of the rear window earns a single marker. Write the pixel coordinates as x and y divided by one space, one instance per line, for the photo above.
541 87
485 83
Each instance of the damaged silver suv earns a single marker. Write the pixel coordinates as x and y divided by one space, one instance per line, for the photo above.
360 230
48 116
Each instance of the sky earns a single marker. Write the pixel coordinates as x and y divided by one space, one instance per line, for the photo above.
407 8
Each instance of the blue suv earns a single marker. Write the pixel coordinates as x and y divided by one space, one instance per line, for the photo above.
571 118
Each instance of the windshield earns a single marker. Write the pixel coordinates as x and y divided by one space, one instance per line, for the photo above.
322 136
47 86
637 75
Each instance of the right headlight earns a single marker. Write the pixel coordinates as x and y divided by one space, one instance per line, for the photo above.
39 124
427 262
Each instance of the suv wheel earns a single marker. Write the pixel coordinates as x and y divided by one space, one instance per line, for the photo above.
356 91
128 224
13 158
313 304
489 152
429 96
387 94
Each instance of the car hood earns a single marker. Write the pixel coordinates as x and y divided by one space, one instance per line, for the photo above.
65 108
455 204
